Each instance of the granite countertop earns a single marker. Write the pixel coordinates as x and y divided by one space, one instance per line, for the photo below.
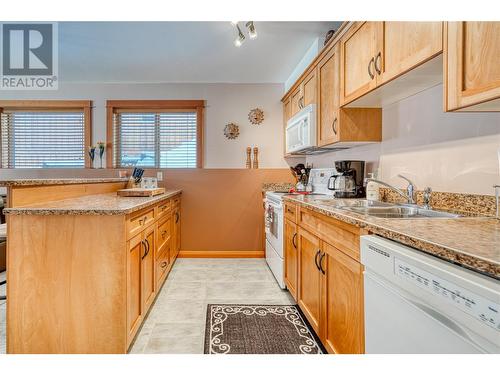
59 181
98 204
472 242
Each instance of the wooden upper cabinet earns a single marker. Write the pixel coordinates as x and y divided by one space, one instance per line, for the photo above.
342 315
287 111
291 257
309 283
328 97
358 49
374 53
308 88
471 66
405 45
296 98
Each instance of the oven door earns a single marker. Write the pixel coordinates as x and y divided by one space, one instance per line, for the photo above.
274 226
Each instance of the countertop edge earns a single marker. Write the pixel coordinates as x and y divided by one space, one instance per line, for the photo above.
474 263
42 211
59 181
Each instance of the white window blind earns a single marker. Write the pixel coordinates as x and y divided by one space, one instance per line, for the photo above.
42 139
155 139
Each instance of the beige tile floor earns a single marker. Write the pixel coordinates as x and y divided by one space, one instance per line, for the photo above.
176 322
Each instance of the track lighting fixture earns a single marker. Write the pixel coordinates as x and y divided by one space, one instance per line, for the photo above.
252 33
240 38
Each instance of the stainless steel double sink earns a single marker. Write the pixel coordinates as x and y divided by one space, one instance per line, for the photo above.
384 210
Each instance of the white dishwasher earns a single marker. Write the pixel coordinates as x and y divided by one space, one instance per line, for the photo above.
417 303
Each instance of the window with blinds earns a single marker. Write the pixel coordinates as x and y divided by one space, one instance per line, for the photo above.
42 138
155 139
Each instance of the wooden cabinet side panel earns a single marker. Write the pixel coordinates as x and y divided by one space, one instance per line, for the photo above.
134 294
309 89
66 284
148 269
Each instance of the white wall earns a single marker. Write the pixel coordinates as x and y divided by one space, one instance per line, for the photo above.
453 152
225 103
309 56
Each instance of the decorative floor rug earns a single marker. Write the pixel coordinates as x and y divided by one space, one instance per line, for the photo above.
258 329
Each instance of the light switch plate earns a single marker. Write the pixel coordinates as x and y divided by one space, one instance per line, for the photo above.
159 176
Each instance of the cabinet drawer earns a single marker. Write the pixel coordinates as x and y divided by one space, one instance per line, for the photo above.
163 235
136 223
343 236
291 211
161 267
163 209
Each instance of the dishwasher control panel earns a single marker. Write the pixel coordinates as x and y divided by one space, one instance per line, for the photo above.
481 308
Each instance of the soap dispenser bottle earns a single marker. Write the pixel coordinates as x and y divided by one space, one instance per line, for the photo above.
372 191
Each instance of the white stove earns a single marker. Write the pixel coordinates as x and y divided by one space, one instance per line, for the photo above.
274 221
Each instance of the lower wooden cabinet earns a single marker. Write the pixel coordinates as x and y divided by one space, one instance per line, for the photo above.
342 328
309 293
291 257
329 288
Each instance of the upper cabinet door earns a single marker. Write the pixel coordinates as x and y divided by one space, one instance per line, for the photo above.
309 89
472 68
405 45
342 319
309 281
328 97
296 101
357 67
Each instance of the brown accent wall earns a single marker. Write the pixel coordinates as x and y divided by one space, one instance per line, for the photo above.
222 209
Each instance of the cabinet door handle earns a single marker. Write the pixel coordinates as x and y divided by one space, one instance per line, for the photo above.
177 217
321 263
316 259
372 61
163 264
293 240
334 126
146 248
163 234
377 63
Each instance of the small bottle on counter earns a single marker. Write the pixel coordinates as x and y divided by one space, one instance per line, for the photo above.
372 191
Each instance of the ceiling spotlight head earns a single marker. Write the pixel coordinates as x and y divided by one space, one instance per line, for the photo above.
240 38
252 33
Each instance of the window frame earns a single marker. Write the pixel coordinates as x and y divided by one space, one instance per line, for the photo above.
112 106
47 105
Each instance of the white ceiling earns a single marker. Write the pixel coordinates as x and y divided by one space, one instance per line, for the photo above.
182 51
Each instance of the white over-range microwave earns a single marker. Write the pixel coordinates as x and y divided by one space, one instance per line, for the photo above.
301 130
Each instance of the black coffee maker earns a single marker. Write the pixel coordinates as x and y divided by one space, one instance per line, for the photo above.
348 182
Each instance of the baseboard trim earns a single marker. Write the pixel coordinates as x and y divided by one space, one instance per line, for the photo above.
221 254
